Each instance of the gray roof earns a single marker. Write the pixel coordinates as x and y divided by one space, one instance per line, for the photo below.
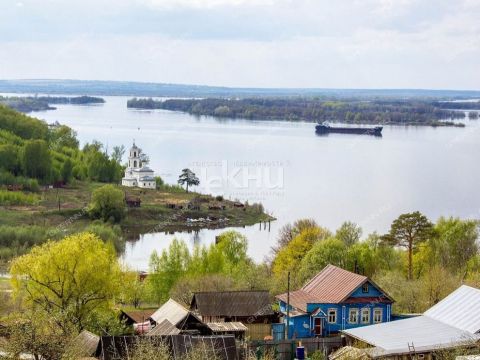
452 322
164 328
144 169
460 309
86 344
232 303
227 327
425 333
171 311
147 178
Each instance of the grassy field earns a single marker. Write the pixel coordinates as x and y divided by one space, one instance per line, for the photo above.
162 209
63 211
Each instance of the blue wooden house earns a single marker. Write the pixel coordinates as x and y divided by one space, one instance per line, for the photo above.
334 300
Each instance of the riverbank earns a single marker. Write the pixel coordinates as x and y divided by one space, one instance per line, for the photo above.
65 210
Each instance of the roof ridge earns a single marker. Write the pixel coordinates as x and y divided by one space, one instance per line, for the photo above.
228 291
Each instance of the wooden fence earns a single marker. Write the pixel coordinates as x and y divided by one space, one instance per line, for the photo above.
285 349
258 331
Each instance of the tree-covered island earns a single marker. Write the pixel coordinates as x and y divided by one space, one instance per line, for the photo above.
28 104
351 111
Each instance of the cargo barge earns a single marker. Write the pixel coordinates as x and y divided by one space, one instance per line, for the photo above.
326 129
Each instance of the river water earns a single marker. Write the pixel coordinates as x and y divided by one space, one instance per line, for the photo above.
291 171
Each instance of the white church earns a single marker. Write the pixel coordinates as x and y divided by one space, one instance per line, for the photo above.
137 173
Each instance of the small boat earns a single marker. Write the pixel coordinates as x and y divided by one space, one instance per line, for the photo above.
326 129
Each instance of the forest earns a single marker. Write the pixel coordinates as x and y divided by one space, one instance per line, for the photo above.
352 111
28 104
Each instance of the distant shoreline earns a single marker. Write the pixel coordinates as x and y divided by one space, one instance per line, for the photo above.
150 89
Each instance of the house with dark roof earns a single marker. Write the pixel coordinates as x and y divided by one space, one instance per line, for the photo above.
250 308
334 300
225 306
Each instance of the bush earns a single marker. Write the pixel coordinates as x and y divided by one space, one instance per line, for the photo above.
15 240
159 182
17 198
109 234
107 204
7 178
219 198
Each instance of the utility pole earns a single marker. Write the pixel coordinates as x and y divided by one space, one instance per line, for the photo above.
288 306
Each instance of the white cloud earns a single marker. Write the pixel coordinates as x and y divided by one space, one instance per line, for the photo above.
207 3
312 43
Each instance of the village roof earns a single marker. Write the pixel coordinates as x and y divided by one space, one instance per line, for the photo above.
227 327
144 169
164 328
453 322
147 178
460 309
332 285
86 344
232 303
138 316
171 311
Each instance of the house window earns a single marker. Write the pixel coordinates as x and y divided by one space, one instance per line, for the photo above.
377 315
353 316
332 316
365 288
365 316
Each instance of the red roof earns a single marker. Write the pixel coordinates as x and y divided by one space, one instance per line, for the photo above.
332 285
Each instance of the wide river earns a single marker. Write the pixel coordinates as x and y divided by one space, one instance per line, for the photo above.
291 171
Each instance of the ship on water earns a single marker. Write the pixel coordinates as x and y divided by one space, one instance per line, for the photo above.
325 128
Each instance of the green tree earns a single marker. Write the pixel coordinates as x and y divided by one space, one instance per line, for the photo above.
349 232
107 203
67 170
289 231
234 246
188 178
63 136
454 243
330 251
288 259
36 159
118 152
69 280
408 231
167 269
9 160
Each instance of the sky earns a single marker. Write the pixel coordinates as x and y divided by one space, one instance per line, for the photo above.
429 44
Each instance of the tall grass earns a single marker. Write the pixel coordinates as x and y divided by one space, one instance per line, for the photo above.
18 198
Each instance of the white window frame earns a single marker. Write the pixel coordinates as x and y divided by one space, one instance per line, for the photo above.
362 312
377 311
350 313
335 315
365 288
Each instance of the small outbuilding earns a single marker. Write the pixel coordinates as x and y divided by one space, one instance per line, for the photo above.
177 315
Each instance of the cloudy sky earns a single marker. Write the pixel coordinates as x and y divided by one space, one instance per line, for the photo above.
256 43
